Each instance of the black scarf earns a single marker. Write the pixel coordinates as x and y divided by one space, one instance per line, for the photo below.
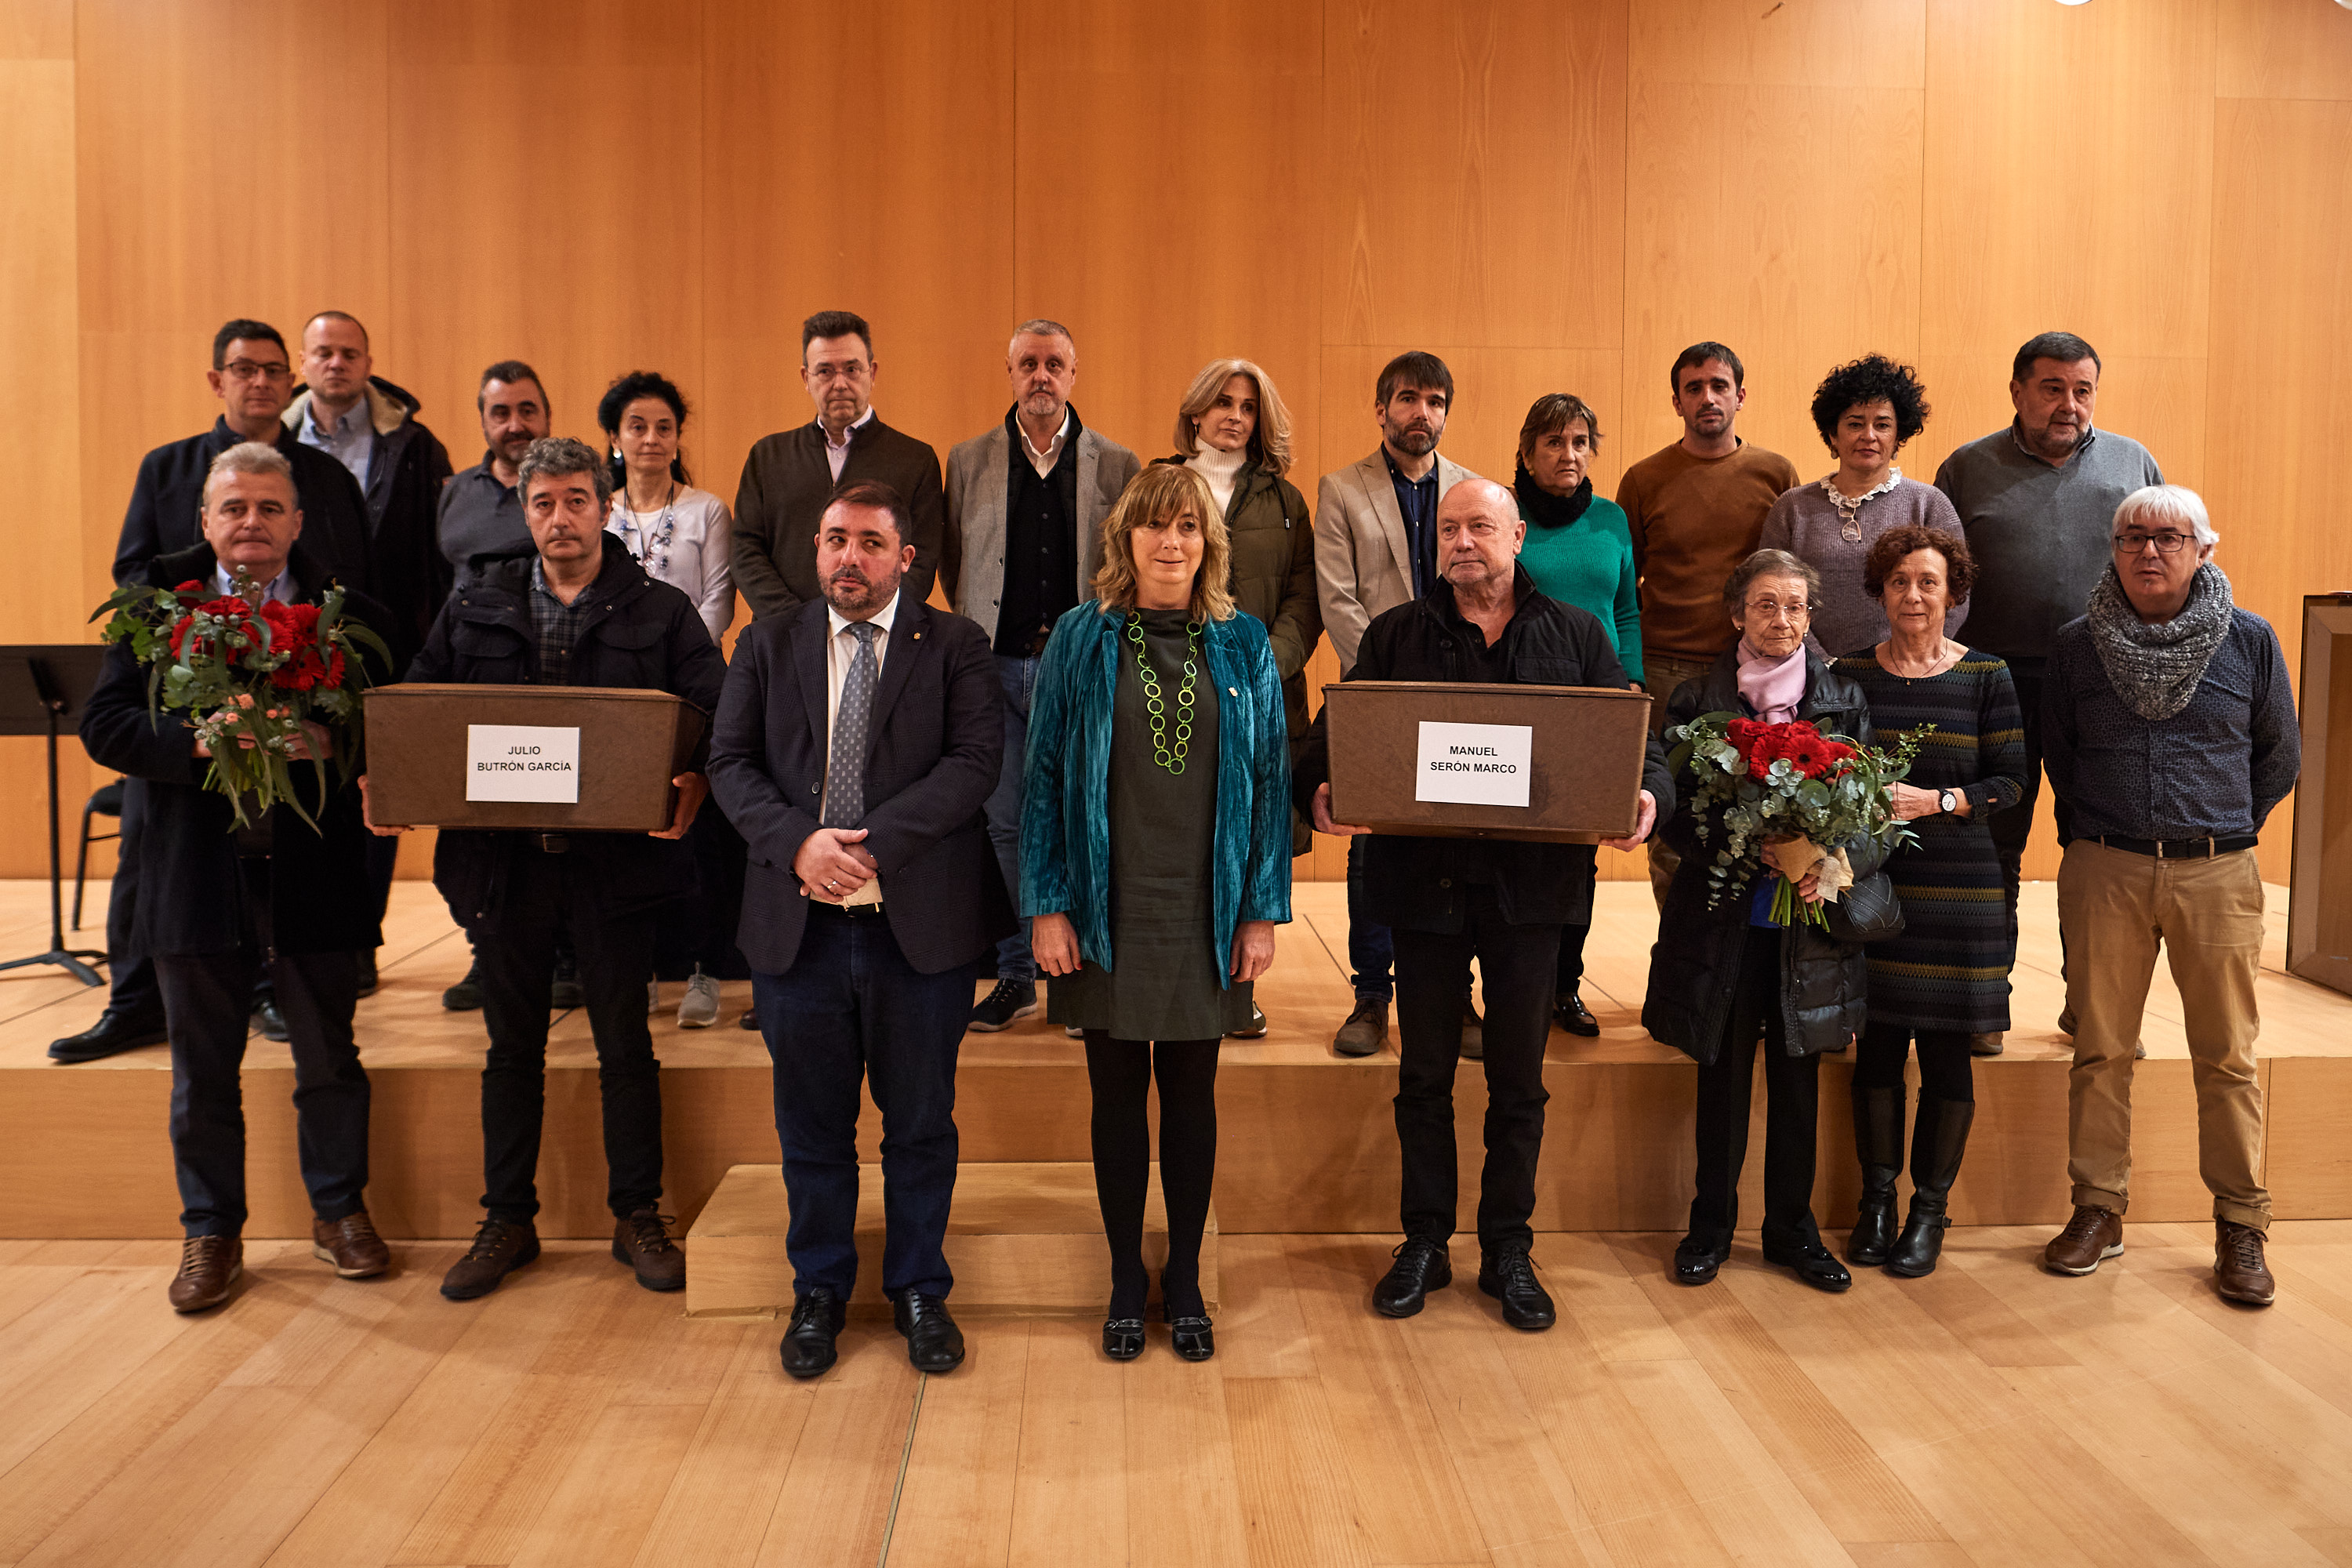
1544 509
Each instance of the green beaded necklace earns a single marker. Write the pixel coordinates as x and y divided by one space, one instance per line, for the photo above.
1168 755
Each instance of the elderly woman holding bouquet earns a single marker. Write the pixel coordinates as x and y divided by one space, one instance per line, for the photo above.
1945 977
1155 864
1738 957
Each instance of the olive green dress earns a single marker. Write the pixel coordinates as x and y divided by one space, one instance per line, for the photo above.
1163 843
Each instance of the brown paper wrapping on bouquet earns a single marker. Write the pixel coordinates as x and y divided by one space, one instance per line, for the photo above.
1796 857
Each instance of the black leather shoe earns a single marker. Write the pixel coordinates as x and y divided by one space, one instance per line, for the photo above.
818 1317
564 992
1939 1141
1122 1338
1812 1263
1420 1268
1572 1017
113 1033
467 995
1474 1033
1698 1258
368 978
934 1343
749 1020
270 1021
1194 1339
1508 1275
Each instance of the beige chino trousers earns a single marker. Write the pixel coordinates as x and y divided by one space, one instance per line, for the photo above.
2116 908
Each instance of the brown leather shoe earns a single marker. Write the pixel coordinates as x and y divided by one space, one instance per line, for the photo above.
209 1265
2238 1271
2090 1238
500 1248
642 1241
352 1245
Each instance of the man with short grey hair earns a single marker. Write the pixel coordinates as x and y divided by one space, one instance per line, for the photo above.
1026 500
2169 725
2035 499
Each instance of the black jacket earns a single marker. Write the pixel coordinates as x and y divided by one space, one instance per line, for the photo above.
1417 883
404 497
168 499
1695 967
193 894
643 634
934 750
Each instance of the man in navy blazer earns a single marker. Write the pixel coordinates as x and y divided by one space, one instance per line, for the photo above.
855 745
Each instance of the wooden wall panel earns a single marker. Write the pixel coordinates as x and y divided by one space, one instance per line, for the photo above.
2282 49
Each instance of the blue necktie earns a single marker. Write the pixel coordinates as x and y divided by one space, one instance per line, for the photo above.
844 768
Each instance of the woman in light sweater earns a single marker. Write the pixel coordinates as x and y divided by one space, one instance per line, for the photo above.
679 534
1866 411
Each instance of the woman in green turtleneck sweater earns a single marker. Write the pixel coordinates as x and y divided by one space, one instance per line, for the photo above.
1580 551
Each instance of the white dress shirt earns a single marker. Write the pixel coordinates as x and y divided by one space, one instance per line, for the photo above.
1044 461
840 652
836 453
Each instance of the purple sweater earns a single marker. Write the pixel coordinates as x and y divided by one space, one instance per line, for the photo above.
1804 522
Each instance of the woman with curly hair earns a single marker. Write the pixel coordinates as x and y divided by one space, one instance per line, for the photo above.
1865 412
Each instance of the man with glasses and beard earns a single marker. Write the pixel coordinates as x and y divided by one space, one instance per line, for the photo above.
254 379
1376 548
856 743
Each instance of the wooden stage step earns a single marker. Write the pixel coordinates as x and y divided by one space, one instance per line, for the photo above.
1025 1236
1306 1140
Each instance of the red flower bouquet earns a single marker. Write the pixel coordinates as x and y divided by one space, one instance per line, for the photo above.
1776 793
263 689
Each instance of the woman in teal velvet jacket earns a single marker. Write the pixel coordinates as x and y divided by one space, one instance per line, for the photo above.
1155 863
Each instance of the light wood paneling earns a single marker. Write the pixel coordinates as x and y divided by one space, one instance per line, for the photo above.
2282 49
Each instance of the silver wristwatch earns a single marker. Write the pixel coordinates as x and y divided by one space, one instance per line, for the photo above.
1947 802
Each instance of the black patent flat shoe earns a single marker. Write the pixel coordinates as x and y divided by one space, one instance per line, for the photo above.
1194 1339
1696 1262
1812 1264
1123 1338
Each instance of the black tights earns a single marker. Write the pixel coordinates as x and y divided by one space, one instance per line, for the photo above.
1944 1069
1120 1072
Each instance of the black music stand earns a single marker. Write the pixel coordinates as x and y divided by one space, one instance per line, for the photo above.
41 688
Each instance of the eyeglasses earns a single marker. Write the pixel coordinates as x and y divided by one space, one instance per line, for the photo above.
1772 610
2167 542
252 370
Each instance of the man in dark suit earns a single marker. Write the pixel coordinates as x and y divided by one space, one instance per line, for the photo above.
253 378
856 743
218 901
790 475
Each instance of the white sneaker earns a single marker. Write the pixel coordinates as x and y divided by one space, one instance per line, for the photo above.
653 997
700 1010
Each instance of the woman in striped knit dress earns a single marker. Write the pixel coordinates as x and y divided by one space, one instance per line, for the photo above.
1947 976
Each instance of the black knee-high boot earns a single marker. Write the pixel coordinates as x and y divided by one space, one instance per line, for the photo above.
1878 1140
1939 1141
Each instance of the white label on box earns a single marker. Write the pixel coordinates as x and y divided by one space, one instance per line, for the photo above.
1475 765
522 761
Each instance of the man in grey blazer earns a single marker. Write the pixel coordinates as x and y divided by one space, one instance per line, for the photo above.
1376 548
1025 507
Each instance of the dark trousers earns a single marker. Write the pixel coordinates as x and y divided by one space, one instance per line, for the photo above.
1372 949
516 966
1571 941
207 1007
850 1008
1518 963
382 858
1792 1108
1019 679
699 933
2011 829
130 974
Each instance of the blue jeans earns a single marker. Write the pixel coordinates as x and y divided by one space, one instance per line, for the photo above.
851 1008
1013 960
1372 951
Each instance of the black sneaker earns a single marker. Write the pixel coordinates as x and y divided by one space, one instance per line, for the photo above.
1508 1275
1012 999
467 995
1255 1030
1420 1268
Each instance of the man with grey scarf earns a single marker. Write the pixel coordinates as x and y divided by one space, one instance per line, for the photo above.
2169 732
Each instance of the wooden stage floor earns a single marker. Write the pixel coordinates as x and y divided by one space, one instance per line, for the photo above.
1988 1414
1308 1144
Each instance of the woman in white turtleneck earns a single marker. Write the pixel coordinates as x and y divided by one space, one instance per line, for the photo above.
1232 429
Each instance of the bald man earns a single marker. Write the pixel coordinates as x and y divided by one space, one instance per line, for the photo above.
1450 901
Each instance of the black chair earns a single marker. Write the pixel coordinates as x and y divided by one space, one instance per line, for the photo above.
106 801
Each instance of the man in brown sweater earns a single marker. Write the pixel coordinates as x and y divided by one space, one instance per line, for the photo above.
1695 510
789 476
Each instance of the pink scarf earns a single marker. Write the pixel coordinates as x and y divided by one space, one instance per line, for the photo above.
1773 687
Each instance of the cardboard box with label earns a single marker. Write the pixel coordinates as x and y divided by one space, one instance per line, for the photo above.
579 758
1557 764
